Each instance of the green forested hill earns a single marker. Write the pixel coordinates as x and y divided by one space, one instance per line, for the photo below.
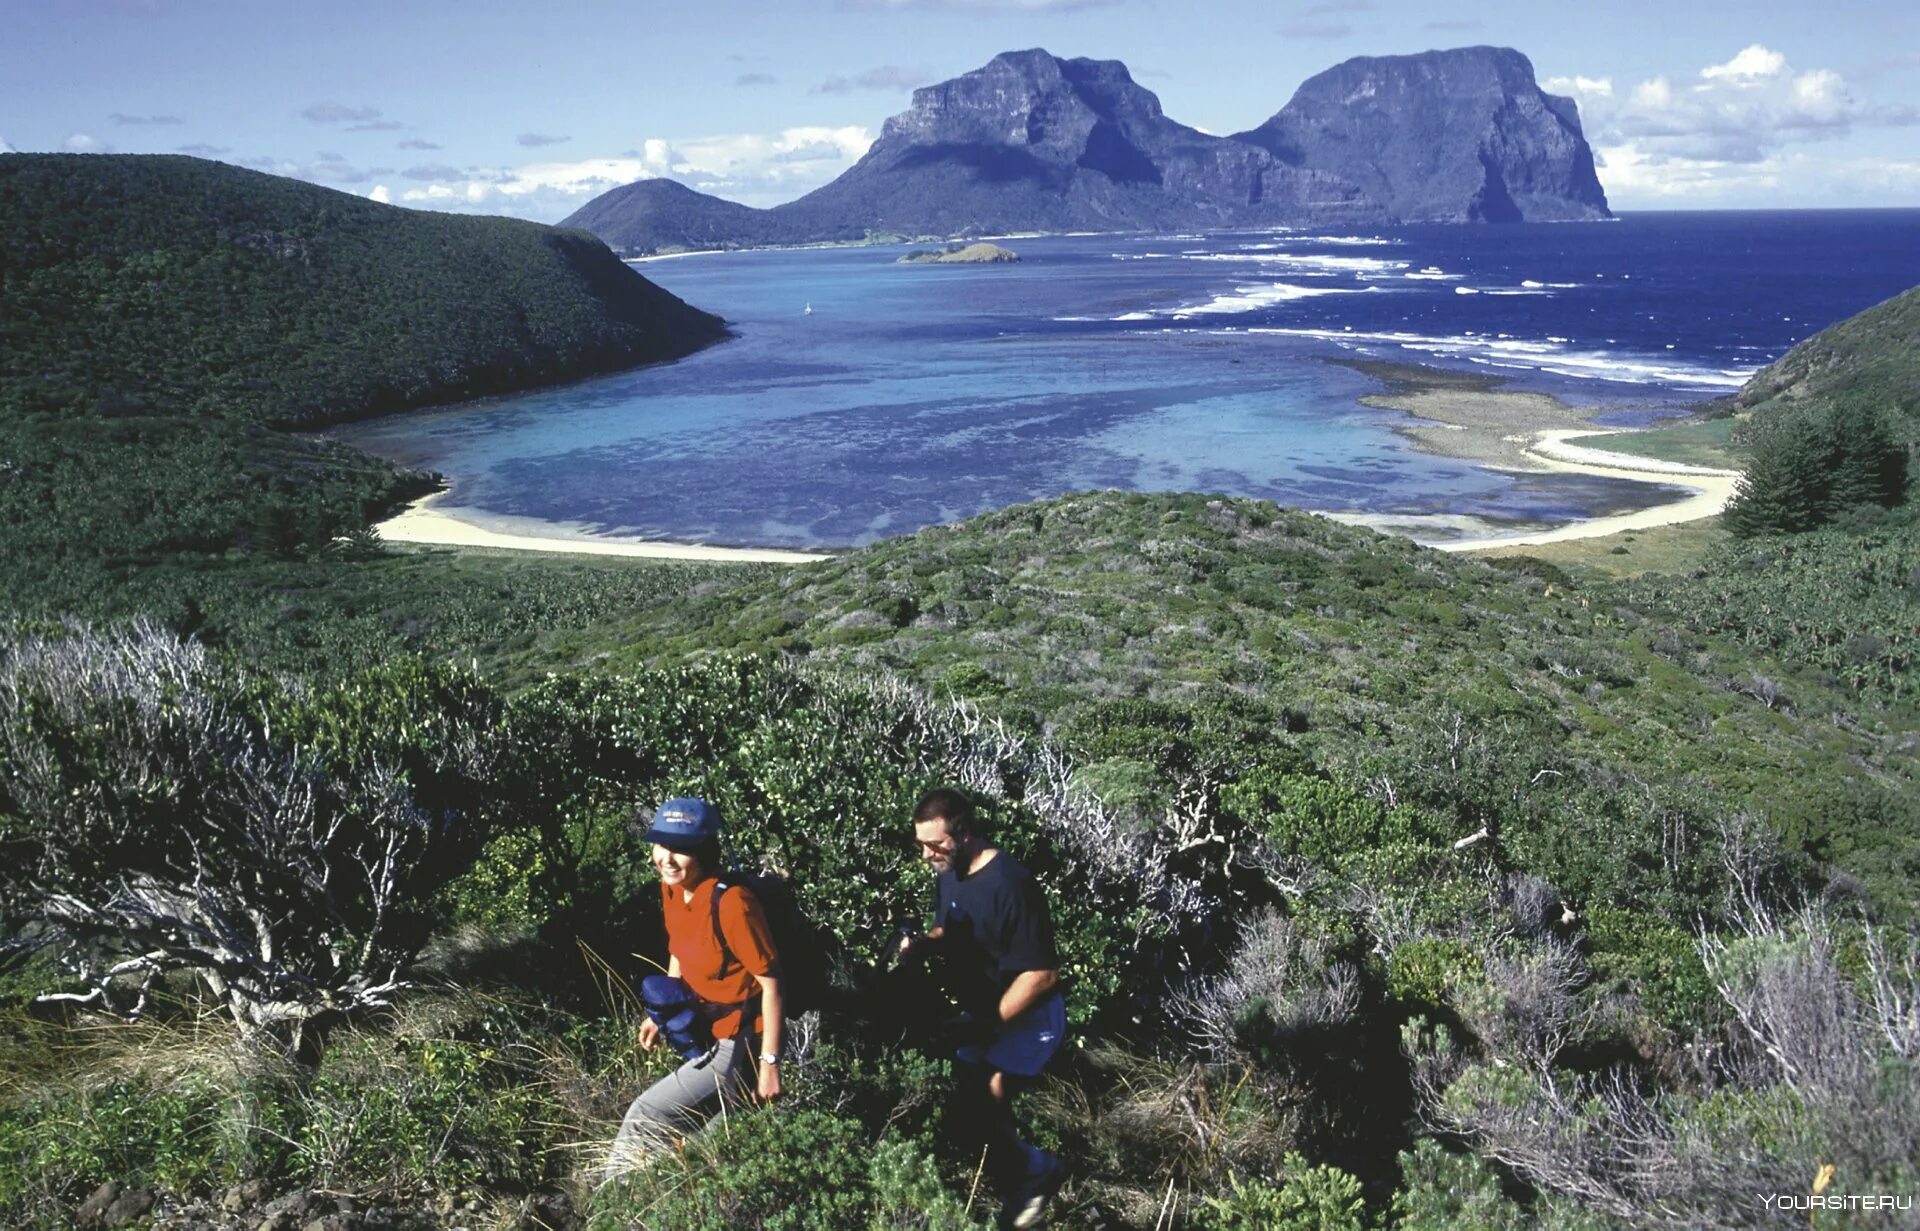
156 313
1875 354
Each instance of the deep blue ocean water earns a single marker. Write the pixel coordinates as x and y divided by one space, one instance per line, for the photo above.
912 395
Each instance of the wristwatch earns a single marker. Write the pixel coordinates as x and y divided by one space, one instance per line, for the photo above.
767 1057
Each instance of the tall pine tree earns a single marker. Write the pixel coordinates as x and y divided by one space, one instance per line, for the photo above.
1810 465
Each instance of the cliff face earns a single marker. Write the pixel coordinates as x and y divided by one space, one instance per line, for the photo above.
1444 136
1034 142
1031 141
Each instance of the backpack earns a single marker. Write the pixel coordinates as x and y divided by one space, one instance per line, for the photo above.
802 948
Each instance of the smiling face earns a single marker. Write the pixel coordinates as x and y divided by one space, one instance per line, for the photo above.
677 868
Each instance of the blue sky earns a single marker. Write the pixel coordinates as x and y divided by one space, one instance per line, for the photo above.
502 106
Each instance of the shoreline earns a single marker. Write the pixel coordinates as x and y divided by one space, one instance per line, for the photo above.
1553 452
422 524
1469 417
903 242
1449 414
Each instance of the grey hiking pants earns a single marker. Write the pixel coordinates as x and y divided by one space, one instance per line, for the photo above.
682 1103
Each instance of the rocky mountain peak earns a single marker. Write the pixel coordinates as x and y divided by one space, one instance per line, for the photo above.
1463 135
1029 141
1027 98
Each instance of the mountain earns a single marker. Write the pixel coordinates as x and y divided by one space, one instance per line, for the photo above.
1444 136
1028 142
662 215
1875 354
161 316
1034 142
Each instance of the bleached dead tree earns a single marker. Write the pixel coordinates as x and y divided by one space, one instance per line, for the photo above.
151 821
1290 981
1815 1066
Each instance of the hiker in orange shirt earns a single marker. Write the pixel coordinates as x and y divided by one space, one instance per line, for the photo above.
720 994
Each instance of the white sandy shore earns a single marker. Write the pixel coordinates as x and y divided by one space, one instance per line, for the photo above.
1552 450
420 522
1549 450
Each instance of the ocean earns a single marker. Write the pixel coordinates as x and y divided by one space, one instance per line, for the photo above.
862 398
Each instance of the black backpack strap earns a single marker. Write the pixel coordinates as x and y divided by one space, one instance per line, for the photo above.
719 933
745 1008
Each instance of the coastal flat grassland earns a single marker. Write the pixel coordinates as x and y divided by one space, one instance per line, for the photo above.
1632 553
1702 442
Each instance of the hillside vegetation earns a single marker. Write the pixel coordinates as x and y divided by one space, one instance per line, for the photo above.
159 316
1875 355
1361 853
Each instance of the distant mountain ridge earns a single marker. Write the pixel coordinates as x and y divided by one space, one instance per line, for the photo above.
1030 141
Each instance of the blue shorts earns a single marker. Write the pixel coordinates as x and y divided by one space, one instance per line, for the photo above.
1025 1044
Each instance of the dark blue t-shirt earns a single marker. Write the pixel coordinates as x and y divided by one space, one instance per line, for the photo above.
997 927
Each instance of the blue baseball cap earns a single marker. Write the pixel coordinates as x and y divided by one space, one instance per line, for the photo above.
683 824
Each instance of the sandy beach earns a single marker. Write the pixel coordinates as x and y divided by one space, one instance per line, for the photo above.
1554 449
1471 418
422 522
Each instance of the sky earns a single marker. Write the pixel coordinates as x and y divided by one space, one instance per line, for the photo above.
531 110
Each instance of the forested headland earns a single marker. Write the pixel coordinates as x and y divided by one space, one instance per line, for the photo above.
170 322
1395 889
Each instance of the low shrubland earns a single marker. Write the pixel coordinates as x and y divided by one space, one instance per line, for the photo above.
1404 989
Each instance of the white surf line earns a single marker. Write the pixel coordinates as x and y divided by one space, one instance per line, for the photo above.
1712 490
421 523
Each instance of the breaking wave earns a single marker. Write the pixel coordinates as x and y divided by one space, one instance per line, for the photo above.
1554 355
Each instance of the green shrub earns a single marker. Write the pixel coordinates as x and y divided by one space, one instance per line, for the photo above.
398 1115
187 1137
1428 970
1443 1191
785 1170
1314 817
1659 961
1312 1199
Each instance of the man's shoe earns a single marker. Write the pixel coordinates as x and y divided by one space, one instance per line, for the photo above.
1029 1206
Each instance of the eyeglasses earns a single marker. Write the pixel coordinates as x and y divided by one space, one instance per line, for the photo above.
943 847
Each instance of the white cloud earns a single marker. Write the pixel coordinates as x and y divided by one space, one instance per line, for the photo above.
1654 94
82 143
1747 69
885 77
1739 112
5 148
753 168
380 194
1799 178
1732 132
1594 87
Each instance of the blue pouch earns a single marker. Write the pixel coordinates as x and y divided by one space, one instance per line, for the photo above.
675 1008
